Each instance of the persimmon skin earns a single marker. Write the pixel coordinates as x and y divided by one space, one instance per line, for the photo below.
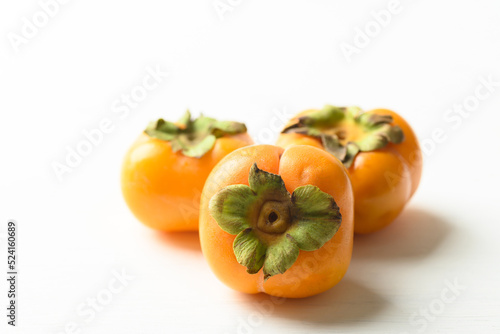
314 271
383 180
162 188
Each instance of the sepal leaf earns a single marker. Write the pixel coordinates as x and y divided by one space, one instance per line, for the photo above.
231 207
194 138
267 184
281 255
197 150
249 250
162 129
222 128
317 220
185 119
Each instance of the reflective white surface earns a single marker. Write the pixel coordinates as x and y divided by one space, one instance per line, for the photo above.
434 270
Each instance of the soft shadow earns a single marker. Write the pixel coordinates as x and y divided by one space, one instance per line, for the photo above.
416 233
348 302
185 240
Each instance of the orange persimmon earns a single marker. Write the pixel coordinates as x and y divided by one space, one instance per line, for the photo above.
278 221
379 149
164 171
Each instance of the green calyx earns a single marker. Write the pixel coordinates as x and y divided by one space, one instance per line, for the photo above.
271 225
195 137
346 131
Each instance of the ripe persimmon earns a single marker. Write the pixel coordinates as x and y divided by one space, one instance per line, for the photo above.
278 221
164 171
379 149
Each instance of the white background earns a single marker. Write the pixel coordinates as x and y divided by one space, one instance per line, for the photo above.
261 60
